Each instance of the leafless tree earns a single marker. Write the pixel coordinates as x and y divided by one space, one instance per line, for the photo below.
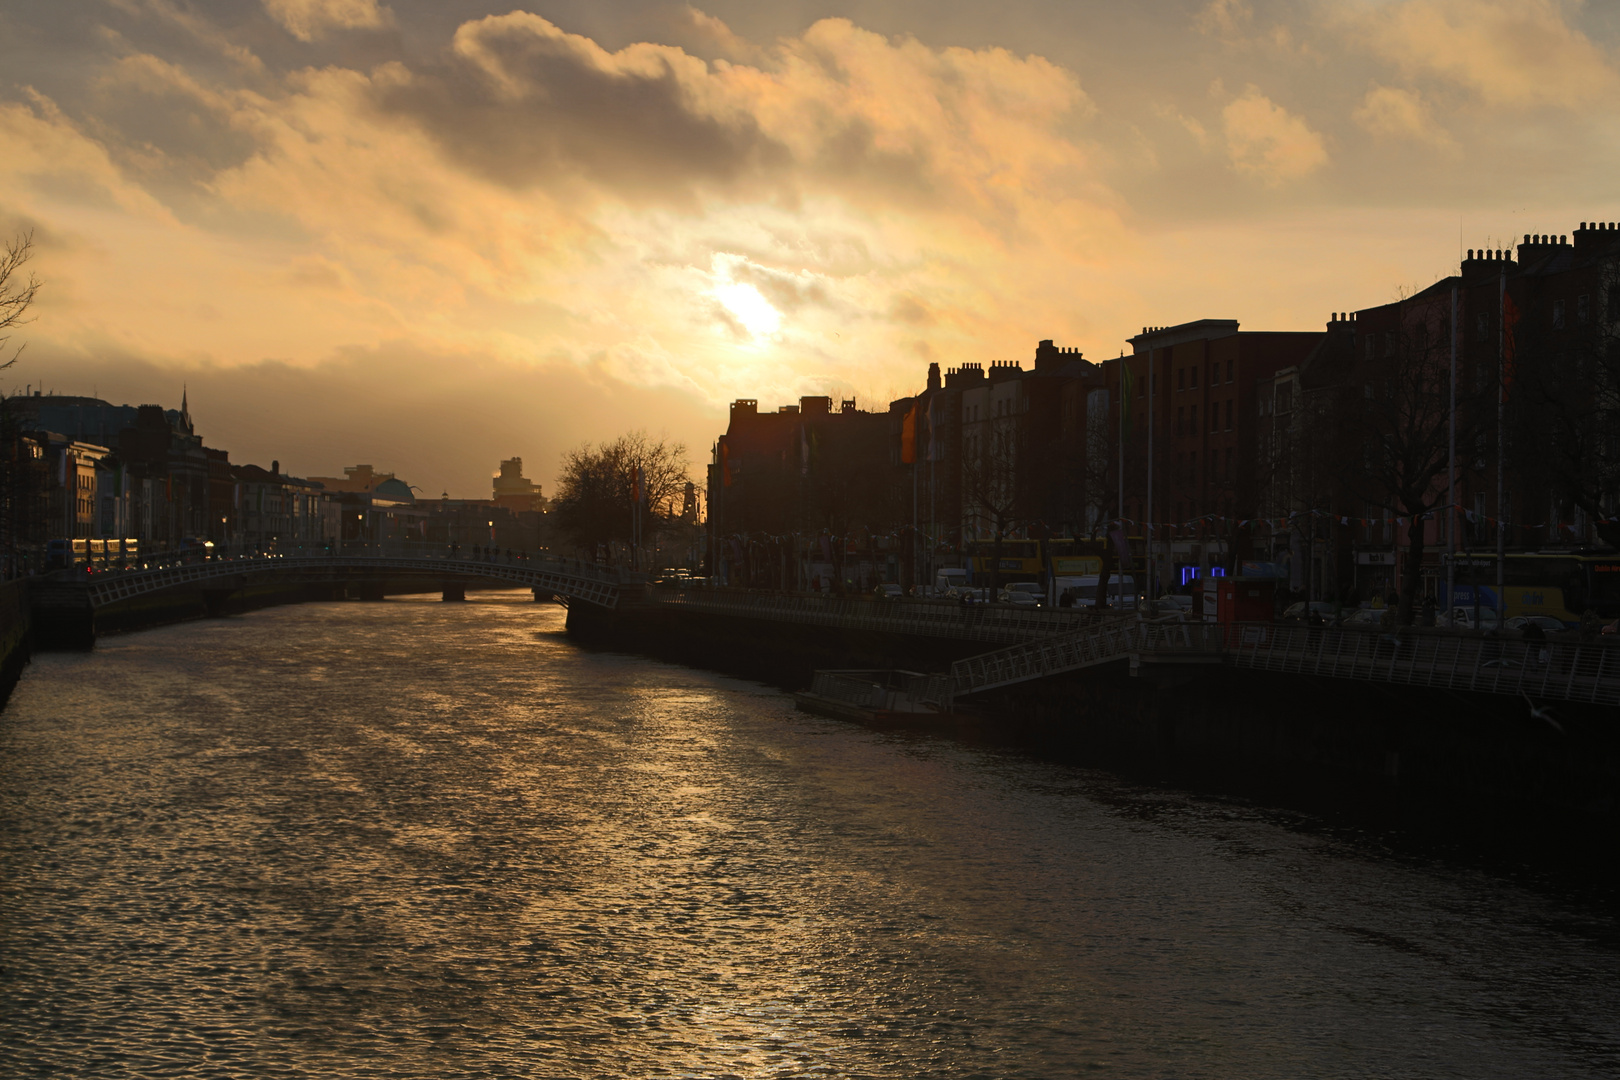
1391 427
1566 410
16 293
596 491
990 484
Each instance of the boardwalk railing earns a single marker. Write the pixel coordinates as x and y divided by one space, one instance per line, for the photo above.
1559 670
1556 670
1000 623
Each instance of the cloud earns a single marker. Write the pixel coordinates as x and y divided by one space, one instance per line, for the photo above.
1224 18
310 20
1391 112
1519 53
1265 140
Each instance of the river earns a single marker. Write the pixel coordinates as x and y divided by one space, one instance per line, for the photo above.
421 839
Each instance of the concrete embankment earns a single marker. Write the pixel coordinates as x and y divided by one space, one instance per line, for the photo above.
1472 768
16 635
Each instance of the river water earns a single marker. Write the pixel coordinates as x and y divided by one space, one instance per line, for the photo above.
418 839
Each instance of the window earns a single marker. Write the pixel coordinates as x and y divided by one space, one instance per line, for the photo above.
1193 382
1583 309
1558 314
1229 404
1389 343
1193 459
1181 378
1370 345
1192 420
1181 416
1215 373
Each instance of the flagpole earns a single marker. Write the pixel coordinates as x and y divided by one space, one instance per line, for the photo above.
1451 468
1501 425
915 547
1148 528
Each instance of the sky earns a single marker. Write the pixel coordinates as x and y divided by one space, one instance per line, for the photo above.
431 234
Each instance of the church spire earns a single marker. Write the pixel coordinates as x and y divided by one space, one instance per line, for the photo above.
185 411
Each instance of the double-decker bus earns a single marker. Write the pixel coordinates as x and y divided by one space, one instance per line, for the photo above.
1557 584
61 554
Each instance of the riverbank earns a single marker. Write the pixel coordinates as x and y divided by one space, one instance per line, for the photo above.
16 636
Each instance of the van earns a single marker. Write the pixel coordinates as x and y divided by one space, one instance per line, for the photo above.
948 580
1121 590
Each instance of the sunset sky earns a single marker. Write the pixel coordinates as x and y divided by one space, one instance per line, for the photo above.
429 234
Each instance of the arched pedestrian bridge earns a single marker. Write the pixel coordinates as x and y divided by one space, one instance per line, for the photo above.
565 578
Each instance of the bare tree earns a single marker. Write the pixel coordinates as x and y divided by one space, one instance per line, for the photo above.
596 497
990 485
16 294
1566 417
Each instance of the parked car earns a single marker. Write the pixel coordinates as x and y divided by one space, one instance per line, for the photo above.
1321 611
1027 593
889 591
1548 624
1365 617
1462 618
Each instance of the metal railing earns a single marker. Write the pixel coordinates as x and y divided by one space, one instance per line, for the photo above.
1555 670
581 580
1001 623
1097 644
1558 670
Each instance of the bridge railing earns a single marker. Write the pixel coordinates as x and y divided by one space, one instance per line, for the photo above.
588 581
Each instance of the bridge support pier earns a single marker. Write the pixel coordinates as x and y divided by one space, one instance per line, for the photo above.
542 596
368 591
454 592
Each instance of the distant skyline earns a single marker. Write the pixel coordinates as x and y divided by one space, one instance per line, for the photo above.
432 235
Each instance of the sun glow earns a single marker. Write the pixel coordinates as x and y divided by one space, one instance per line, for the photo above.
749 306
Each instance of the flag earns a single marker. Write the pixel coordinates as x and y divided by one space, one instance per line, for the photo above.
908 435
1123 547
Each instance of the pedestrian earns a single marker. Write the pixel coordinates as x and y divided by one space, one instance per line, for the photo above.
1428 611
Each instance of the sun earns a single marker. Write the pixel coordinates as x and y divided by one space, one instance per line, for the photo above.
750 308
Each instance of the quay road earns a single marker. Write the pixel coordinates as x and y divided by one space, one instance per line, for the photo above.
1032 643
1042 642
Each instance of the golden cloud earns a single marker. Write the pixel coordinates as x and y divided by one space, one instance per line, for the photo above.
1392 112
309 20
1519 53
1265 140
